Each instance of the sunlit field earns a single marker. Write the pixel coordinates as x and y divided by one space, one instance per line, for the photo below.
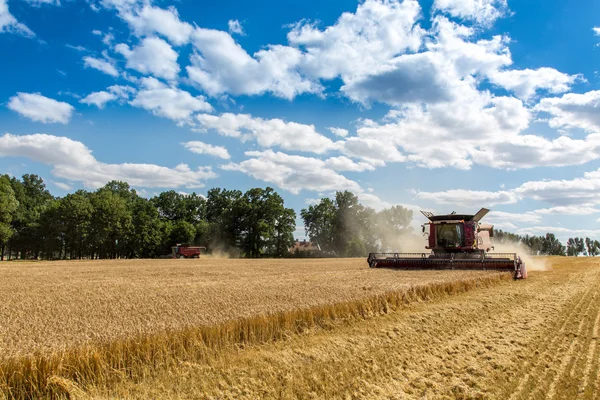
100 321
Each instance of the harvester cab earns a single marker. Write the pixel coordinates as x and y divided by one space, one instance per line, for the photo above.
455 241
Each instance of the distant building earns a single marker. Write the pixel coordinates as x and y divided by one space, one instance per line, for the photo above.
304 246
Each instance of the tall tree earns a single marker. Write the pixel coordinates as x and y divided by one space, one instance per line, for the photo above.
111 223
224 219
319 222
75 213
8 205
260 211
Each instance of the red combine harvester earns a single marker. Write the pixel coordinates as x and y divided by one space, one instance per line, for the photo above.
456 241
185 251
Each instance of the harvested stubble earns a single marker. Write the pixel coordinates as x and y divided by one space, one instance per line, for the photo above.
85 322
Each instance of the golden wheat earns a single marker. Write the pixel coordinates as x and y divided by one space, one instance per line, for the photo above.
75 323
533 339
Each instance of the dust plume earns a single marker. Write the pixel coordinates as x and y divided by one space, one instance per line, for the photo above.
407 241
532 263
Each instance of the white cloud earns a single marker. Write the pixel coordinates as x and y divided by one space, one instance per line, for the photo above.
167 101
108 39
345 164
101 65
149 20
73 161
573 110
596 31
525 83
236 27
115 92
153 56
78 47
561 232
99 99
8 23
61 185
39 3
359 42
293 173
469 198
267 132
568 210
481 11
582 192
501 217
205 148
373 150
223 66
41 109
338 131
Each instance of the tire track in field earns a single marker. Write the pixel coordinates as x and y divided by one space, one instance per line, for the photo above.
537 365
569 358
589 362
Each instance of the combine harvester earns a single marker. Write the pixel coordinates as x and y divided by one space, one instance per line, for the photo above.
456 241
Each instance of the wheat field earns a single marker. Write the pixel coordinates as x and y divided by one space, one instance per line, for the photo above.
533 339
92 324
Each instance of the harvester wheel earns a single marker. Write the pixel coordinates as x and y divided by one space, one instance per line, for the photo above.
181 256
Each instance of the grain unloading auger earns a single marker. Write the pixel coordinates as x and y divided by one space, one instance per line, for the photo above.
456 241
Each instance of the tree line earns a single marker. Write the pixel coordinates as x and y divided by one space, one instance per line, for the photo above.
550 245
115 222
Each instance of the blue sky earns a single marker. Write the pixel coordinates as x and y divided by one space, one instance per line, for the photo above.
439 105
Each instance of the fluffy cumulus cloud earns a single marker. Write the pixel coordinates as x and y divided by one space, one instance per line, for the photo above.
525 83
293 173
583 191
152 56
578 196
39 108
205 148
112 93
8 23
148 20
573 110
106 66
481 11
73 161
267 132
359 42
168 101
220 65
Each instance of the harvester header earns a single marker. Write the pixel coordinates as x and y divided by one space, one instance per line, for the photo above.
455 241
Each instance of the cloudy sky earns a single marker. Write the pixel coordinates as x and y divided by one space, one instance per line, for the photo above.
439 105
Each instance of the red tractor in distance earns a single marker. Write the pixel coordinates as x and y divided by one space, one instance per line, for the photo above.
186 251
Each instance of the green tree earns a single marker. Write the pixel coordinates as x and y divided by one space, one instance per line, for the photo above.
183 232
552 246
146 237
319 223
262 213
75 214
111 223
222 213
8 205
33 198
285 225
